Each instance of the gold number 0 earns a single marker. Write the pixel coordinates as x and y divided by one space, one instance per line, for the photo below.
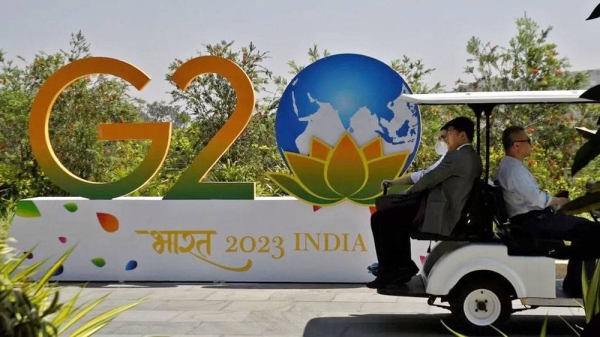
188 186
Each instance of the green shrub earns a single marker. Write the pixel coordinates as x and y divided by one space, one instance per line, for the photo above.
31 308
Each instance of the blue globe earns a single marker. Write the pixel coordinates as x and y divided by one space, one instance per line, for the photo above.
347 92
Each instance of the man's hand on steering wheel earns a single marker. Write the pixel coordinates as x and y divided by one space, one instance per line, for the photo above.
387 184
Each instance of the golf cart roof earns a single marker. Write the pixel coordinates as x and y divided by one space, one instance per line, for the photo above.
498 97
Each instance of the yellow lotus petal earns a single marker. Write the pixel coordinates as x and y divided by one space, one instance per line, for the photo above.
388 167
346 168
371 201
363 202
310 173
292 187
319 149
373 149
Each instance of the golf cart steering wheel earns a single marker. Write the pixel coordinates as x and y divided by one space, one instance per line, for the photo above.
386 185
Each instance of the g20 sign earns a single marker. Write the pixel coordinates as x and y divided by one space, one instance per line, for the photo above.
340 126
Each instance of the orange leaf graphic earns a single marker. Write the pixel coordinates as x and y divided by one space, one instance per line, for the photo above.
108 222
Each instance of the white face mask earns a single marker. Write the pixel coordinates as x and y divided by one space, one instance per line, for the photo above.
441 148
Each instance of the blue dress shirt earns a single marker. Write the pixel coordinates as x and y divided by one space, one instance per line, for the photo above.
520 189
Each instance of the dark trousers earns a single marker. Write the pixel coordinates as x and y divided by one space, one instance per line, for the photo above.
391 232
583 234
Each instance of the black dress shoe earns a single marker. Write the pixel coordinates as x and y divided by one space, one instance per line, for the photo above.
404 274
396 277
379 282
376 283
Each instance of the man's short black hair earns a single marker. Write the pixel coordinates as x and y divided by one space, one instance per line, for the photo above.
445 127
463 124
507 136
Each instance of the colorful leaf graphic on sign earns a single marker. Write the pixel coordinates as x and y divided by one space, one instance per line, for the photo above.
108 222
27 209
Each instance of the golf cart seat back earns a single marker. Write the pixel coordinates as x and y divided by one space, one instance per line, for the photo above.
470 226
497 207
514 236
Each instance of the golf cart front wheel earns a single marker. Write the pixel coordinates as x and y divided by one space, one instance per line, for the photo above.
480 303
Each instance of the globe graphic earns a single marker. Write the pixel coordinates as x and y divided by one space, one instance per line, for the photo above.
347 93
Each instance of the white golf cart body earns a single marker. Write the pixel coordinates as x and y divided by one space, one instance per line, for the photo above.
453 266
533 278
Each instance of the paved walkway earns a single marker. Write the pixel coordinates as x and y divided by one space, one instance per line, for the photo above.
287 310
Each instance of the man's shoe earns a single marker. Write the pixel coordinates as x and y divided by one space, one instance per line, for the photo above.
377 283
397 277
405 275
394 282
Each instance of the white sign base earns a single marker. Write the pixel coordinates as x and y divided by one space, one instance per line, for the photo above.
276 239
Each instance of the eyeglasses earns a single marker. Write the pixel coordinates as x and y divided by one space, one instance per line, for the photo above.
528 140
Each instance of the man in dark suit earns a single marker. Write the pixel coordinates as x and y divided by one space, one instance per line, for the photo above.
444 192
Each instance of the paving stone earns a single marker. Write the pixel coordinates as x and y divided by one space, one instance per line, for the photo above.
209 316
399 308
181 294
326 306
279 316
111 303
146 316
307 310
195 305
117 293
231 328
240 295
149 328
259 306
303 296
364 297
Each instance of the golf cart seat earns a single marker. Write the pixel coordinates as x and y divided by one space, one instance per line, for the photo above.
470 226
514 236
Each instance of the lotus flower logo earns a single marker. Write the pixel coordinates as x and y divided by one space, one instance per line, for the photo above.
328 176
335 120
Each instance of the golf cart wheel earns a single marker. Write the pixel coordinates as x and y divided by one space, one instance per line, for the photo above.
481 302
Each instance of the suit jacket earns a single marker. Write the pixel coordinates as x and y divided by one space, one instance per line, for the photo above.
447 189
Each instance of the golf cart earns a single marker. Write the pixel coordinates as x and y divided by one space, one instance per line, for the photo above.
487 262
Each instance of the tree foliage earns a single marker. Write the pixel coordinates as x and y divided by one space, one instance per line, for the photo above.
530 61
72 126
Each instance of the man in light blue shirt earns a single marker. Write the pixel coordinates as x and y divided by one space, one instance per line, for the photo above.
534 209
520 189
